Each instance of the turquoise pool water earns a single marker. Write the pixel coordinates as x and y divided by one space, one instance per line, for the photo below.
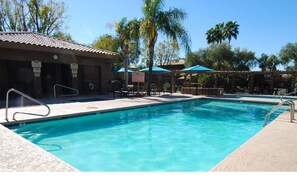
185 136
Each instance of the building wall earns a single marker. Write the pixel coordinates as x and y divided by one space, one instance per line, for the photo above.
16 71
16 75
3 79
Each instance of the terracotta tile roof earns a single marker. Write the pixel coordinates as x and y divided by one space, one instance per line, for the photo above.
30 38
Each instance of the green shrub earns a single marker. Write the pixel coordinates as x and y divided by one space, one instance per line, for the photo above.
166 86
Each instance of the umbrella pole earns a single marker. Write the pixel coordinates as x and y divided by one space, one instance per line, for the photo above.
159 82
126 77
190 83
172 82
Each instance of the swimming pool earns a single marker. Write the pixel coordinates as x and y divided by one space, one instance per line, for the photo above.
185 136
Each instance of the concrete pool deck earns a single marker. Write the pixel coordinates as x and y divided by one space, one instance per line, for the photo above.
271 149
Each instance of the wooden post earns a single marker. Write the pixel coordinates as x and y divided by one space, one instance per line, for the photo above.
216 80
272 83
190 83
293 81
232 82
251 83
173 81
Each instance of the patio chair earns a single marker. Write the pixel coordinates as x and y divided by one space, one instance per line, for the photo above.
129 91
154 90
282 91
116 88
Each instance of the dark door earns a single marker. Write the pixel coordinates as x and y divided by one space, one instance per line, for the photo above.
48 78
20 77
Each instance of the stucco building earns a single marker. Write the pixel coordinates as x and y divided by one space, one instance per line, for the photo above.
33 63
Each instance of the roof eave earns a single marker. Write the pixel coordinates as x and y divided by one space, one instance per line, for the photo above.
19 46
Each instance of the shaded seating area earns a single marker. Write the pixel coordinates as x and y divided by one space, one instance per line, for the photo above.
239 82
129 91
196 88
118 90
204 81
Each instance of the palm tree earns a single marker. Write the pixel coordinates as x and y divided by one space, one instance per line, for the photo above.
167 22
128 37
215 34
219 32
210 36
230 30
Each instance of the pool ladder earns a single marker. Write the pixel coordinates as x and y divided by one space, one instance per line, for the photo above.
66 87
292 110
282 96
28 97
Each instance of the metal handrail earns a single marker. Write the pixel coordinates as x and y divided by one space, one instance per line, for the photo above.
28 97
288 94
292 110
63 86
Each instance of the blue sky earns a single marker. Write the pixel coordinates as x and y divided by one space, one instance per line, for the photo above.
265 25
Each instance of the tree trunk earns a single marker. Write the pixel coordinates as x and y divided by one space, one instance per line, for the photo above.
24 23
151 62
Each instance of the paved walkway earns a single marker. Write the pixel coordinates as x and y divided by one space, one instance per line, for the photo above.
272 149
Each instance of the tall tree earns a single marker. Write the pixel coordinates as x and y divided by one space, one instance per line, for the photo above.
145 57
215 34
210 36
243 59
10 15
32 15
263 62
221 32
289 53
128 37
222 57
106 42
156 21
268 62
46 18
62 35
231 30
167 52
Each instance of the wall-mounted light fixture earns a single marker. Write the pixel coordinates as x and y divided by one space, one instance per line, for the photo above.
36 65
74 69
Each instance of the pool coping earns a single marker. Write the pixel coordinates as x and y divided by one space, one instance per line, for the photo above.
93 111
272 149
233 162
